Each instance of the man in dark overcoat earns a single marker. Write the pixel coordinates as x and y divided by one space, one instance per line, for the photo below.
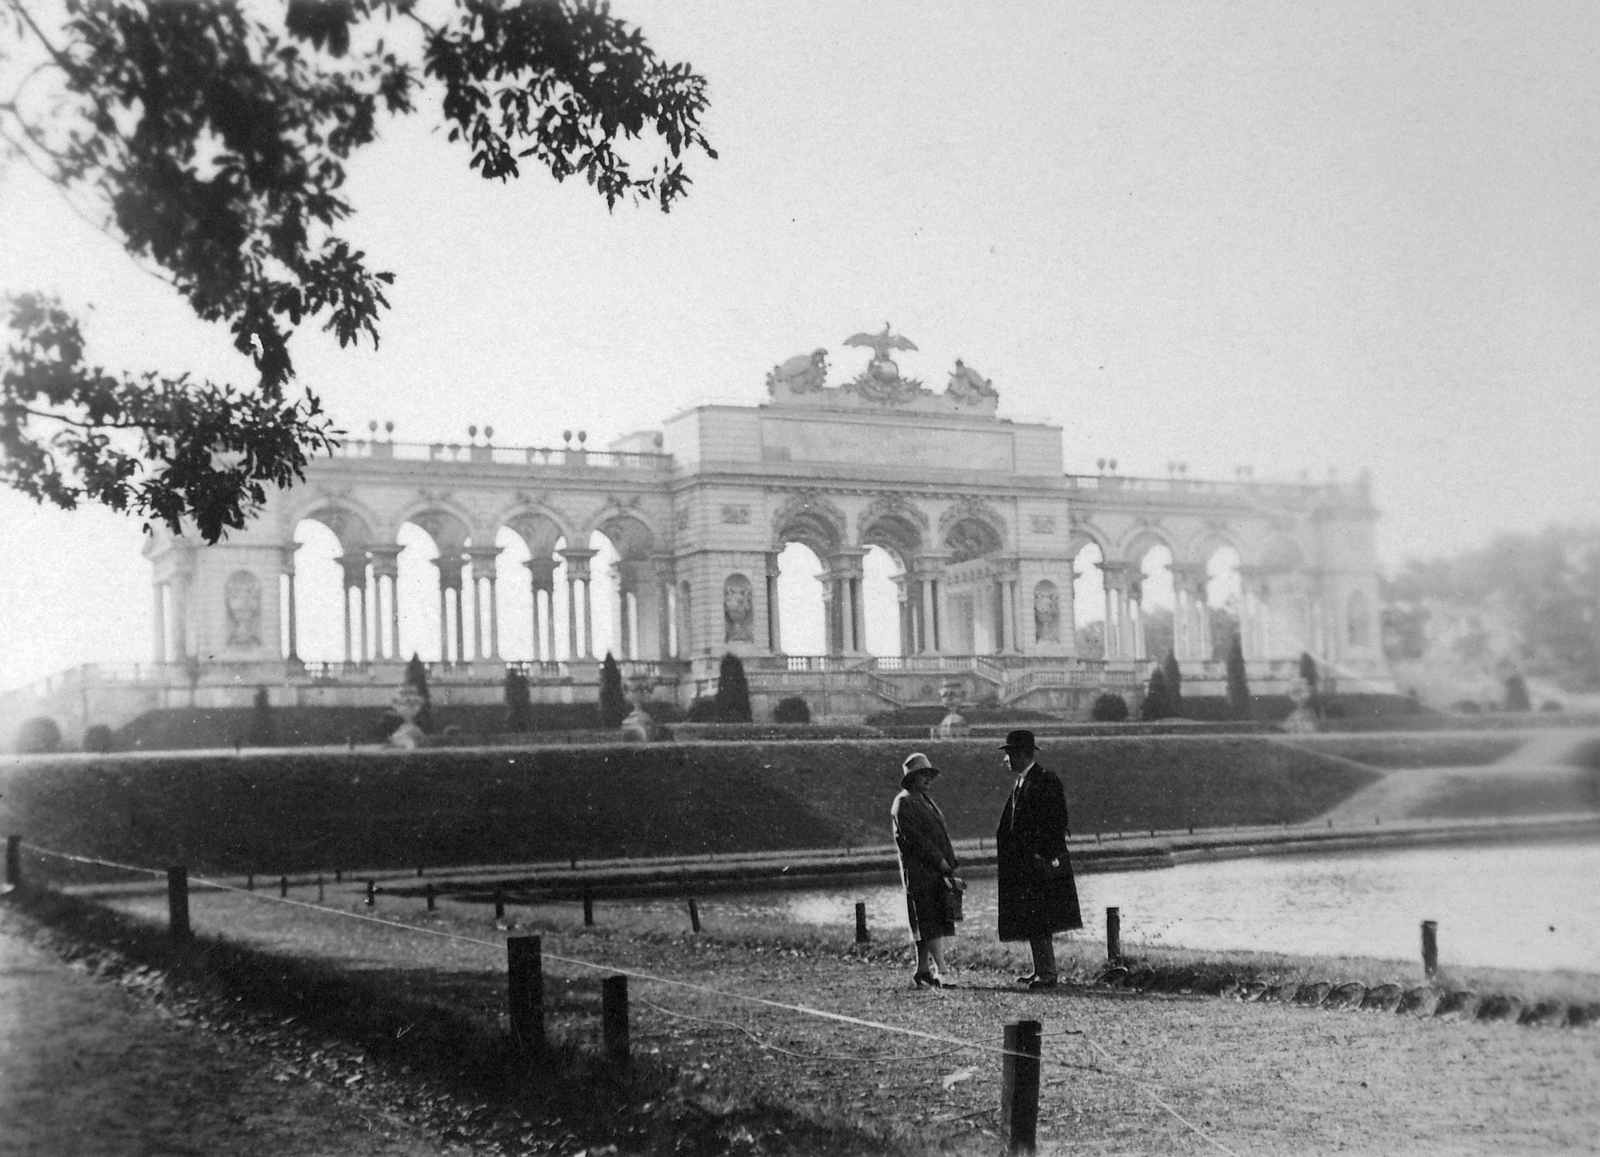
1038 896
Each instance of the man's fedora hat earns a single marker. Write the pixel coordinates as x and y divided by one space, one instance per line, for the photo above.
1019 740
916 761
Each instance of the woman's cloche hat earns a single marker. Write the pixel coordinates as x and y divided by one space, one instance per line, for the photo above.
916 761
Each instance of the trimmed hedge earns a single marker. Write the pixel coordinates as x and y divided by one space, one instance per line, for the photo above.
276 812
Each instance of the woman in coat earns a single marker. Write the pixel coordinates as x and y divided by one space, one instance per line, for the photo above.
927 862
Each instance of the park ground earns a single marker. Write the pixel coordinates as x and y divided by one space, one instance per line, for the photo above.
296 1032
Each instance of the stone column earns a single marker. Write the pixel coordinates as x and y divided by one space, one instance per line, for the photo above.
578 572
386 565
450 581
1116 635
483 571
541 577
159 619
774 620
354 564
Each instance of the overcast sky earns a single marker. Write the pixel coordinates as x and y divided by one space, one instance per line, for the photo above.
1305 237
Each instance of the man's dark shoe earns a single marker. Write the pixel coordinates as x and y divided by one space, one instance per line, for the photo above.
1028 979
924 980
1042 982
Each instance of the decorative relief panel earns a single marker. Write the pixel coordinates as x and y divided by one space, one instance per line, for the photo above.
735 515
1043 524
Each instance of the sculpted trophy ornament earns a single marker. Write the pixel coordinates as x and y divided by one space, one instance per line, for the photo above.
801 374
969 386
738 601
241 596
881 380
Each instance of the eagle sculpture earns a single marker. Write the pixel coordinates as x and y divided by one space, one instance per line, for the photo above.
881 343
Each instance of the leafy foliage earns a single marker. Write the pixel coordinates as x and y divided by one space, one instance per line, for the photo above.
1109 707
37 735
613 700
213 148
733 691
1542 589
1238 685
99 739
792 709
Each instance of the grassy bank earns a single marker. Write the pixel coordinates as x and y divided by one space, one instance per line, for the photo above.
298 811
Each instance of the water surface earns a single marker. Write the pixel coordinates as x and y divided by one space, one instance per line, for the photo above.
1530 906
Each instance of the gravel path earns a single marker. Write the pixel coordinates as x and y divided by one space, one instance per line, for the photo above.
1244 1078
1403 793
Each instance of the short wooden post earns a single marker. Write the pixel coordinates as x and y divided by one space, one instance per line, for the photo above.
372 893
321 893
862 935
525 969
429 893
614 1019
419 871
283 887
250 882
1019 1087
694 915
588 910
499 904
1113 934
338 875
13 860
1430 948
178 903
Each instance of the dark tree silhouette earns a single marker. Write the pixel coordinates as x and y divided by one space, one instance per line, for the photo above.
1313 678
261 733
519 710
1517 694
613 702
1238 686
733 691
1174 684
213 149
1156 704
417 677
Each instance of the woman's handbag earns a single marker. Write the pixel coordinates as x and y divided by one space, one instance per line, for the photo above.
954 886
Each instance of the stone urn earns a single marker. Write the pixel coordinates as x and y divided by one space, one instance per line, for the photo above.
953 725
407 703
1302 719
638 726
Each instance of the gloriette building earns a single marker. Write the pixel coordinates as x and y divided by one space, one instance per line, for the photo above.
989 535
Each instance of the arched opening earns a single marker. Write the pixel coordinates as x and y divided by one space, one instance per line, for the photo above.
882 607
434 589
1089 602
513 596
529 616
634 600
318 594
802 620
1224 600
1154 607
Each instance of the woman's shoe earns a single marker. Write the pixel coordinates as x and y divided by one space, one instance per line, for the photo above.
925 980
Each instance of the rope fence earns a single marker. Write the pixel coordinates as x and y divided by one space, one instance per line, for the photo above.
1021 1052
